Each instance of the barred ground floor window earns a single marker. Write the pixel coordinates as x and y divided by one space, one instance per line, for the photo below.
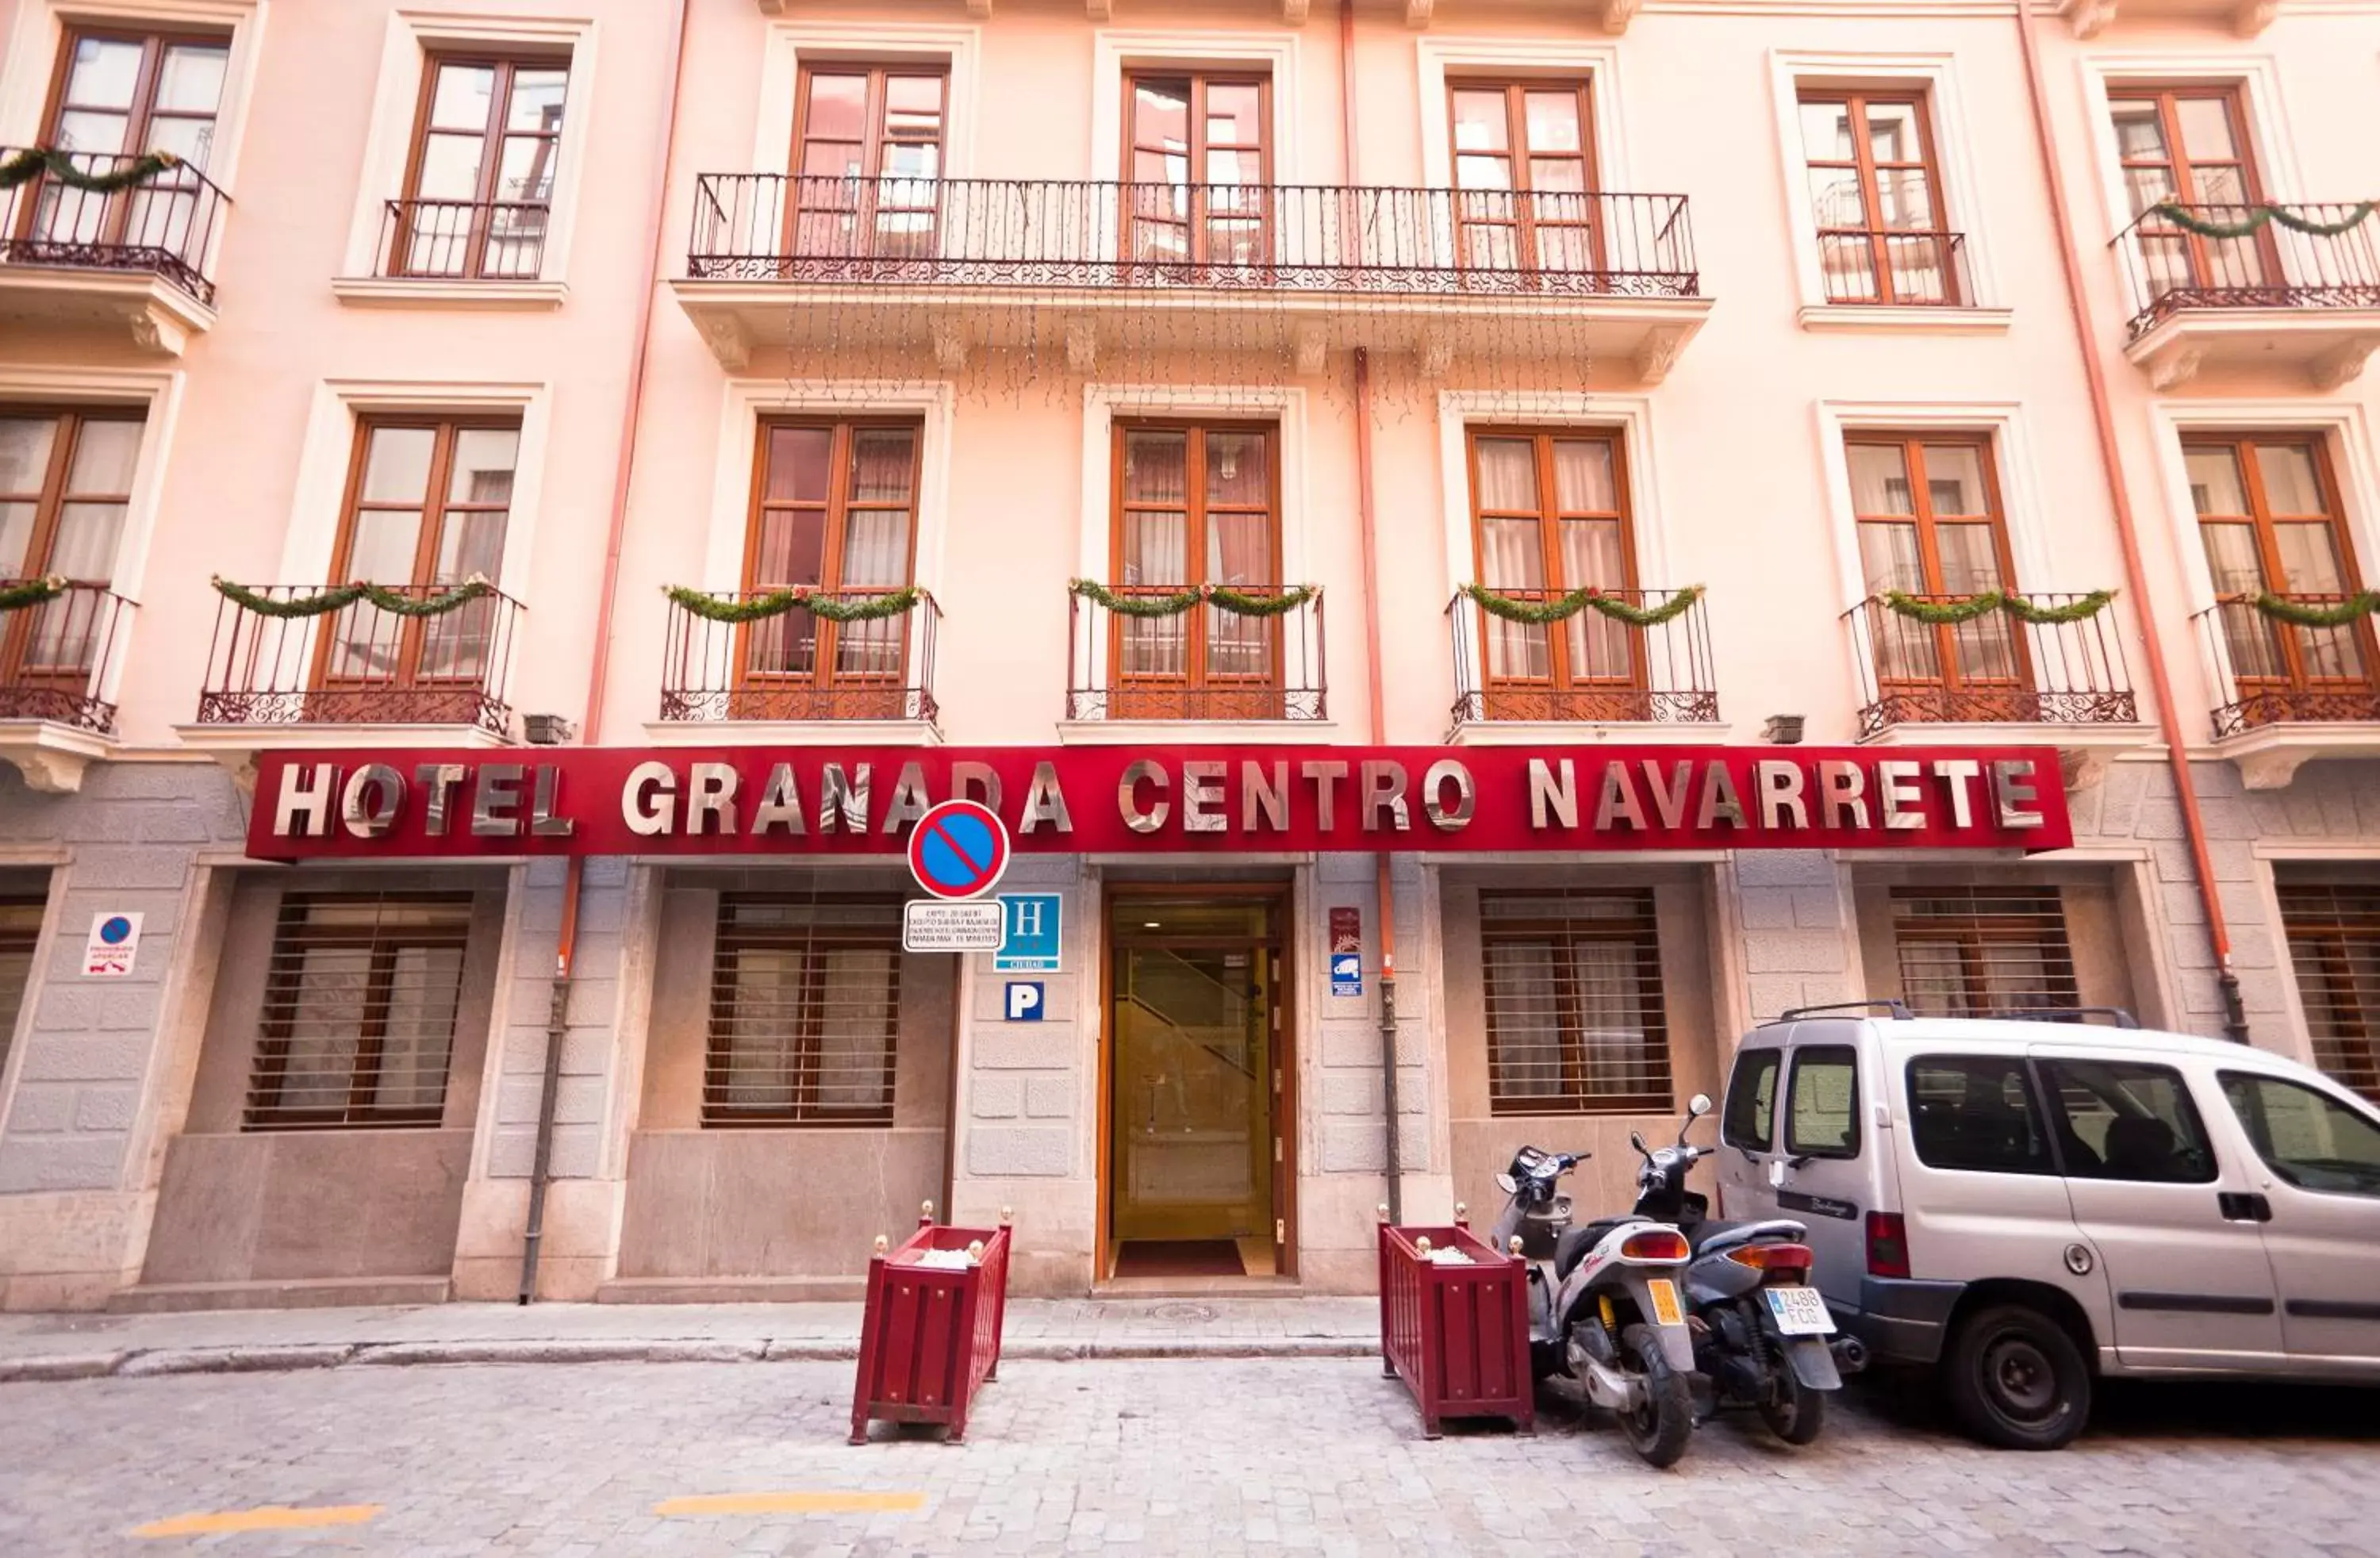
20 931
360 1003
1576 1023
1967 951
804 1011
2334 935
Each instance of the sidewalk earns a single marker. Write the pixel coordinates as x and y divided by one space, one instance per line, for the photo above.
81 1346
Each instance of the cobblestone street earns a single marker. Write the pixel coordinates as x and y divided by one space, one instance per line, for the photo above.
1195 1456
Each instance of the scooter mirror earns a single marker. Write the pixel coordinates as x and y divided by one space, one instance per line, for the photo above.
1507 1184
1636 1139
1698 1106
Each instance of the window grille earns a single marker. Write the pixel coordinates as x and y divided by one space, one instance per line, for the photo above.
805 1007
21 929
1966 951
2334 935
359 1010
1576 1021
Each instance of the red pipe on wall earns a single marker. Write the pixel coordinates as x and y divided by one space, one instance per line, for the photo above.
2235 1022
631 419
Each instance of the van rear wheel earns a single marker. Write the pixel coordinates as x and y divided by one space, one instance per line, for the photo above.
2017 1380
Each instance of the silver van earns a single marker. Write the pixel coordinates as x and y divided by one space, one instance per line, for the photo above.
2025 1205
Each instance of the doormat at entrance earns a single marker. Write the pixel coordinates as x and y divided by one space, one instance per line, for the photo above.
1178 1257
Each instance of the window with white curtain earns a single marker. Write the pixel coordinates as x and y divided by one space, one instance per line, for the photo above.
805 1004
836 510
1576 1023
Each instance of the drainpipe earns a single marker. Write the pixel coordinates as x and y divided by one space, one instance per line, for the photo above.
590 724
1368 521
2235 1020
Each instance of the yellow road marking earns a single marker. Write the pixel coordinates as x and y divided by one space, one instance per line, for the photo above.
271 1517
789 1504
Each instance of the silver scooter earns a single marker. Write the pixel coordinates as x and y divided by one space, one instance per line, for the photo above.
1604 1305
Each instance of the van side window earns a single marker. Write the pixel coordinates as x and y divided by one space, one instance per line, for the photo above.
1822 1116
2122 1119
1750 1101
1976 1112
2310 1138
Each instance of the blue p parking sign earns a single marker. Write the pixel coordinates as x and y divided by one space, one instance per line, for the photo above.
1030 930
1025 1001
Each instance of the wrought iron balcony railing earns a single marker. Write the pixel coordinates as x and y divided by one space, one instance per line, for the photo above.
2272 672
800 666
1589 667
1995 669
1051 233
1915 268
2170 269
1203 663
463 240
163 227
361 664
55 657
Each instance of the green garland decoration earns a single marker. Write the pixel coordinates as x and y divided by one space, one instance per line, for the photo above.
2363 603
2258 217
31 592
1539 614
58 166
777 602
1220 596
339 597
1950 613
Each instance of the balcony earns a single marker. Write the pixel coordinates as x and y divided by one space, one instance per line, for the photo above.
1128 675
827 680
2278 297
2289 694
1074 269
469 253
1917 678
131 261
57 660
329 678
1514 681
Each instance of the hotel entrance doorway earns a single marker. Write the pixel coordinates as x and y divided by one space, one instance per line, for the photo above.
1198 1171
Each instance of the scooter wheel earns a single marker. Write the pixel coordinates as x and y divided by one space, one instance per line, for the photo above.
1795 1412
1659 1429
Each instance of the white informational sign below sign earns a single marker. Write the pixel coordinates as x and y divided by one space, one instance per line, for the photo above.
931 925
115 943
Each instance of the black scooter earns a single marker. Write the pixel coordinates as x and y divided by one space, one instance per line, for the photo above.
1762 1336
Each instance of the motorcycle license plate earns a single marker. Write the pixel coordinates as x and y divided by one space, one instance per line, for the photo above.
1665 1301
1800 1311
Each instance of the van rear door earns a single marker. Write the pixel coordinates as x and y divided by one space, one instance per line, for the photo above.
1747 1128
1830 1161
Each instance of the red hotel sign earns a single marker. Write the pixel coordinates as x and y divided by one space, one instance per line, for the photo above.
763 800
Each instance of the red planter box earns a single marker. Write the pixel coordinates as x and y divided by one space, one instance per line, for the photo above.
931 1335
1457 1335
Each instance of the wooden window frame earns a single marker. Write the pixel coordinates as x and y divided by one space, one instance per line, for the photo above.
2334 940
834 522
435 508
874 136
2263 526
1195 678
493 137
2181 168
1912 443
268 1080
1642 932
718 1113
1198 252
28 943
1985 927
1526 218
1549 516
1863 166
154 44
17 629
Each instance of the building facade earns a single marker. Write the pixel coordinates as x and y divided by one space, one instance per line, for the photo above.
729 384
